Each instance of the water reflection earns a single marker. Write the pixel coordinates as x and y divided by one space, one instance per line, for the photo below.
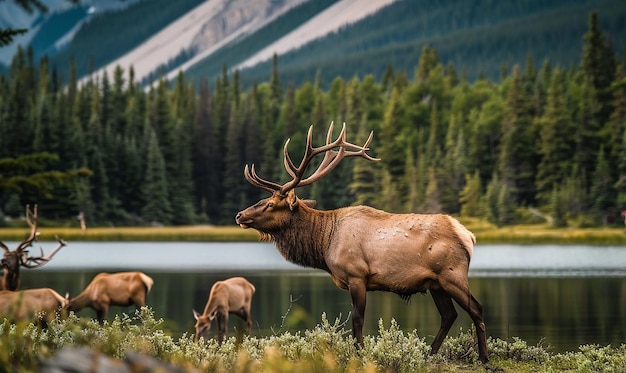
564 310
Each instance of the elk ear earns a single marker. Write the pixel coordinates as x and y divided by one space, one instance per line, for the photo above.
292 200
195 314
310 202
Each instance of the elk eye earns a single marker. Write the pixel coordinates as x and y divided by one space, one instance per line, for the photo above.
270 205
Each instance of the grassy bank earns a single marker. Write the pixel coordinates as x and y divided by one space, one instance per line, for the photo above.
203 233
485 233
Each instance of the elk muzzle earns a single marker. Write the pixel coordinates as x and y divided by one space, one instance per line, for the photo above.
242 221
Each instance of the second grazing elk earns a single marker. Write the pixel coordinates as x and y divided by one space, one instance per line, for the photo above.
233 295
365 249
113 289
13 260
20 305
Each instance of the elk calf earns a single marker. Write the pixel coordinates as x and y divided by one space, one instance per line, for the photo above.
113 289
21 305
233 295
365 249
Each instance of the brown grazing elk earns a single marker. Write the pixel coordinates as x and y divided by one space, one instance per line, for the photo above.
233 295
366 249
113 289
25 304
13 260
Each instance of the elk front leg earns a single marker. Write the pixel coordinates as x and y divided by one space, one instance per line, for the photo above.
358 294
222 326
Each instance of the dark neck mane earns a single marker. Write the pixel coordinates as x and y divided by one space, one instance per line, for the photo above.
306 237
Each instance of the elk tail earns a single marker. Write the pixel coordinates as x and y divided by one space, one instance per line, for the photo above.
468 238
147 281
63 301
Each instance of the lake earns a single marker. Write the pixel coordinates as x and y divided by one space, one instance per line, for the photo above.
559 296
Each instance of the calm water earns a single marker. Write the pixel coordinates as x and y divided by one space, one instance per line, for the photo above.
563 296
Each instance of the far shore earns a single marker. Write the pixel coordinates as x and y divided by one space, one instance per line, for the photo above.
485 234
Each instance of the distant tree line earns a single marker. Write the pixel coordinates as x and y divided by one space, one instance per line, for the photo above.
545 140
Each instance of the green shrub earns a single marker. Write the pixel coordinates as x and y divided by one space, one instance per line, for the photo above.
329 347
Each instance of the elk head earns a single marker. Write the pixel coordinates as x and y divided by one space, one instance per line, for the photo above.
203 323
13 260
273 213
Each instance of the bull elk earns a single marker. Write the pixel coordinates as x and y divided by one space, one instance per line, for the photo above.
13 260
24 304
113 289
233 295
365 249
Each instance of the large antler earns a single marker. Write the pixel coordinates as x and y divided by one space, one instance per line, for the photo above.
34 262
31 220
329 162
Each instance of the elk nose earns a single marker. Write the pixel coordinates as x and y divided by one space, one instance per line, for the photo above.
237 217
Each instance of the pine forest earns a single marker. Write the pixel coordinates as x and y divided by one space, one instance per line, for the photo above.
542 143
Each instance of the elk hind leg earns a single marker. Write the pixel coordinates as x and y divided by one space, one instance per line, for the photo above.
444 305
463 296
139 301
244 314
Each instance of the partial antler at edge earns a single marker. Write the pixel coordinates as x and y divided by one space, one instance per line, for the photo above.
31 220
41 260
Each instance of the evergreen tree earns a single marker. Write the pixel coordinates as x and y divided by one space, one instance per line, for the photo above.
602 192
587 135
33 176
491 200
251 149
432 202
389 197
556 143
557 208
470 196
517 153
207 168
616 127
506 206
390 150
364 184
598 65
484 136
234 196
277 90
156 208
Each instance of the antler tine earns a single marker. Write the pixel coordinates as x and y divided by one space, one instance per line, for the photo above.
254 179
33 228
41 260
4 247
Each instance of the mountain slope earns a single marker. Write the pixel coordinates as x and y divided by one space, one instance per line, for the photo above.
477 37
332 37
205 28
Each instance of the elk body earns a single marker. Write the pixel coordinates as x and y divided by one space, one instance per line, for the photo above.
13 260
233 295
113 289
365 249
25 304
